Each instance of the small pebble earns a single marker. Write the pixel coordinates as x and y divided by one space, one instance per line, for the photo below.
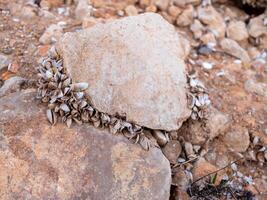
180 160
205 50
234 167
207 65
60 10
237 61
220 73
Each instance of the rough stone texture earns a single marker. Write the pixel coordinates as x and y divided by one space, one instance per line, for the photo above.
144 3
182 3
118 4
39 161
258 88
82 10
181 179
51 34
187 16
237 30
208 38
134 67
256 26
216 124
213 19
172 150
4 61
197 28
131 10
161 4
174 11
202 168
11 85
233 48
51 3
89 21
237 139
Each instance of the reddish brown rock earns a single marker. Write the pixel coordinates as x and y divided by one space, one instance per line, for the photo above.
202 168
237 139
215 125
39 161
172 150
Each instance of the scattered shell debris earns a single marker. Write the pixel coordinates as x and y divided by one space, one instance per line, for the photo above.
198 98
67 102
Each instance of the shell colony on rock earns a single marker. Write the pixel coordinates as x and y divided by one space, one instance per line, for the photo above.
68 102
255 3
198 98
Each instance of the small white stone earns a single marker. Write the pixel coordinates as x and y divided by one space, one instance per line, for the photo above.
180 160
238 62
207 65
60 10
211 45
15 19
220 73
234 167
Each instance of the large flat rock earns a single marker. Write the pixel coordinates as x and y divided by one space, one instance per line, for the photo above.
39 161
134 67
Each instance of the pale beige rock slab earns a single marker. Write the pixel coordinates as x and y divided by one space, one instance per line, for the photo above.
134 67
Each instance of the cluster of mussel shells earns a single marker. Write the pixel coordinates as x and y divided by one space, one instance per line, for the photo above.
255 3
198 98
257 151
67 102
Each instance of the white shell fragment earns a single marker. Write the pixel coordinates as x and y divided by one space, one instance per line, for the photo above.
199 98
207 65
